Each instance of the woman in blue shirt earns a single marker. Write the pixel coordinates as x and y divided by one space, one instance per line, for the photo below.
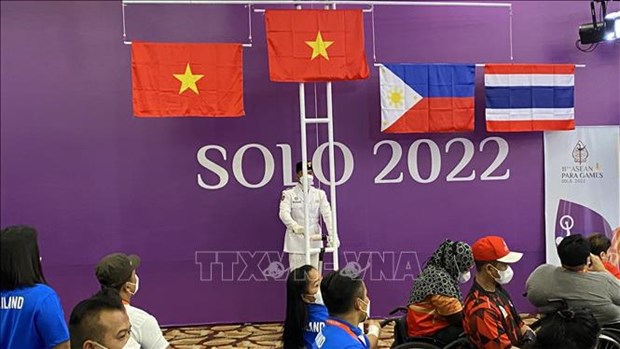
305 312
30 312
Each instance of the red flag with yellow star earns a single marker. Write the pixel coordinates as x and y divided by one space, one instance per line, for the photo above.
316 45
177 80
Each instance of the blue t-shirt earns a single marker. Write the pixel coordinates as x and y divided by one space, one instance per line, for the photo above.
317 314
339 334
31 317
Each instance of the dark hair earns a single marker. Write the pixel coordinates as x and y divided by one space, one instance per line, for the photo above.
568 329
296 312
599 243
340 289
574 251
481 264
299 167
84 320
20 265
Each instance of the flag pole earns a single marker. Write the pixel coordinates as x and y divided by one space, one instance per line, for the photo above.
332 172
304 165
304 169
332 168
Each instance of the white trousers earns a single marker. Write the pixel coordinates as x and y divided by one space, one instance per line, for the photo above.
296 260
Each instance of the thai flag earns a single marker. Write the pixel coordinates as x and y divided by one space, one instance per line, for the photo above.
427 97
529 97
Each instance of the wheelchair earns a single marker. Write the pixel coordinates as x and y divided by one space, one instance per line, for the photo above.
608 339
398 317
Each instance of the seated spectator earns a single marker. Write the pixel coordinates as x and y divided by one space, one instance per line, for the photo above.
118 271
100 322
346 298
30 312
305 311
582 287
435 305
600 246
568 329
490 318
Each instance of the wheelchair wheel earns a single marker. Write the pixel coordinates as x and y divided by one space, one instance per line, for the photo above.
607 342
417 345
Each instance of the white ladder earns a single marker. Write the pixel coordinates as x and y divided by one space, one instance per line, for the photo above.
329 120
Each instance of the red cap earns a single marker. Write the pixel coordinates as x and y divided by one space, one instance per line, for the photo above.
494 248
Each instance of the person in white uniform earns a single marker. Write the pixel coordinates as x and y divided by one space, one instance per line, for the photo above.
292 215
117 271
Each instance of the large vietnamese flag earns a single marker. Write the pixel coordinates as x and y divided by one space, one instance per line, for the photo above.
188 79
316 45
419 98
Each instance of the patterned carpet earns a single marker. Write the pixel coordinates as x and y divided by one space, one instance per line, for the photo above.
257 336
238 336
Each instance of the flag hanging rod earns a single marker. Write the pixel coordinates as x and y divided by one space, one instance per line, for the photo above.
248 6
317 2
482 65
130 42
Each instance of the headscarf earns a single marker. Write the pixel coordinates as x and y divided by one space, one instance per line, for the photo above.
440 275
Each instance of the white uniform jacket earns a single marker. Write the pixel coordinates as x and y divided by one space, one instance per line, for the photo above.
292 215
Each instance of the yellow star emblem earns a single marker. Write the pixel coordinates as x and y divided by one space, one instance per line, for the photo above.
396 97
188 80
319 47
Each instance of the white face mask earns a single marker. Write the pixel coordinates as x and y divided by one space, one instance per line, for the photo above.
318 298
137 286
464 277
310 180
505 276
367 310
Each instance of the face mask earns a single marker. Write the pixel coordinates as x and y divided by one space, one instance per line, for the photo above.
367 310
137 286
504 275
464 277
310 180
318 298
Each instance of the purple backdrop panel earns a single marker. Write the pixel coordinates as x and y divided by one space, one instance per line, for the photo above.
95 180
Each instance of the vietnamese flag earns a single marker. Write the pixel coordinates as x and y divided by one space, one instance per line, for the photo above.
187 79
316 45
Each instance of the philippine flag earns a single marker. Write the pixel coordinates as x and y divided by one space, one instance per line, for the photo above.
529 97
419 98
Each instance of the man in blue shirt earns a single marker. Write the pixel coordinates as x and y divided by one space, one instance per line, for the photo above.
347 302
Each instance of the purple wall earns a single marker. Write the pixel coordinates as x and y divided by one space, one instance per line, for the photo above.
94 180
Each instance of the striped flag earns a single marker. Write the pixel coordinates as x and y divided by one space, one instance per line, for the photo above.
529 97
420 98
